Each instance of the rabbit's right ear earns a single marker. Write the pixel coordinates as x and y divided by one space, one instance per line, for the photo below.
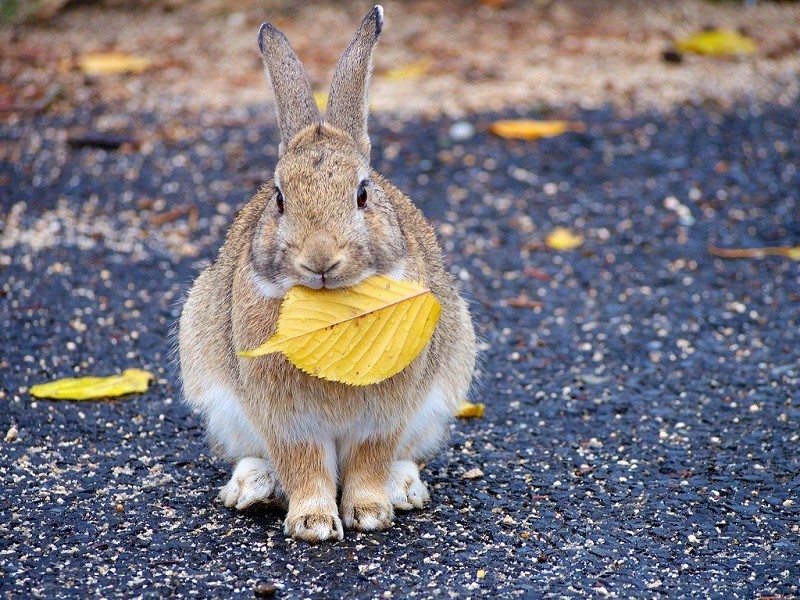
294 100
348 101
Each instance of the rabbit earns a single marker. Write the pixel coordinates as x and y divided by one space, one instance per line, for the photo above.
326 220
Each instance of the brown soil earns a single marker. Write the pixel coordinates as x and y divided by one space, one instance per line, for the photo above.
434 57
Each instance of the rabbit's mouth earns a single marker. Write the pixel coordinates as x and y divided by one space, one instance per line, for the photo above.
326 282
332 280
317 281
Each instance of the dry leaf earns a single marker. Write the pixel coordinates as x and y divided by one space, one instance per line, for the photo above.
792 252
111 63
408 71
468 410
358 335
522 301
91 388
321 100
717 42
562 238
480 574
528 129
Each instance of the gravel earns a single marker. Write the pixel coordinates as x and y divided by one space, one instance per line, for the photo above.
643 412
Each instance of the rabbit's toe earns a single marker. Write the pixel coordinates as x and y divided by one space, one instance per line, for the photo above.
314 527
405 488
253 481
368 516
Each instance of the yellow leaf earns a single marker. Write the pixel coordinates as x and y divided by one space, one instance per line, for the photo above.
528 129
480 574
791 252
90 388
468 410
562 238
358 335
110 63
717 42
408 71
321 100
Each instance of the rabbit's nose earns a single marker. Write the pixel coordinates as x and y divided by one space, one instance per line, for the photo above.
319 267
320 257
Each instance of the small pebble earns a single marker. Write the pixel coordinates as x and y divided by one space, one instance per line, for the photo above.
475 473
461 130
12 433
265 590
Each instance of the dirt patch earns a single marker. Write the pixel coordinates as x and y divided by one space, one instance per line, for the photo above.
434 57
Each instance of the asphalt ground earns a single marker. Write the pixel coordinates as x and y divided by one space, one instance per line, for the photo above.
643 404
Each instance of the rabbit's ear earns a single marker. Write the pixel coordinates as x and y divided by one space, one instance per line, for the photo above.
294 101
348 101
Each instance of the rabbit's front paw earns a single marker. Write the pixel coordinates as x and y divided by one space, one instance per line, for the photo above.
368 515
405 489
314 527
253 481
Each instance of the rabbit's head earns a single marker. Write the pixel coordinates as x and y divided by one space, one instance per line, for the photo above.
328 222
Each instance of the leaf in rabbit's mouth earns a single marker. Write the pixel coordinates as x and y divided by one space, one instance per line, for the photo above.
357 335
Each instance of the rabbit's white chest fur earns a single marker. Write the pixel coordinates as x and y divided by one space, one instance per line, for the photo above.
255 479
236 435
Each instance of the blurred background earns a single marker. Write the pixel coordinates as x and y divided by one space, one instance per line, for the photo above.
435 57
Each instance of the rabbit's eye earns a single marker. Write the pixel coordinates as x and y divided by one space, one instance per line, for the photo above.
361 196
279 200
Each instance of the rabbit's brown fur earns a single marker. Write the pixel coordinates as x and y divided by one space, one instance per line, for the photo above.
293 437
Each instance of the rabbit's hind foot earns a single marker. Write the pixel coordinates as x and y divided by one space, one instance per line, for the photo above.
253 482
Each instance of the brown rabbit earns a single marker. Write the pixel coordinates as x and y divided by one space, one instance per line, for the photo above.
326 220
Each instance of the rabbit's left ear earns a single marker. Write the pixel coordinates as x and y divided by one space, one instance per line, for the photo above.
348 101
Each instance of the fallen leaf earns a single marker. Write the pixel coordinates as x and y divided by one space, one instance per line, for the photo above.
468 410
321 100
522 301
562 238
408 71
111 63
538 274
91 388
528 129
717 42
171 215
358 335
480 574
792 252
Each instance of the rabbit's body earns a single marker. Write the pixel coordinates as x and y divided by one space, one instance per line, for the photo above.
291 435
